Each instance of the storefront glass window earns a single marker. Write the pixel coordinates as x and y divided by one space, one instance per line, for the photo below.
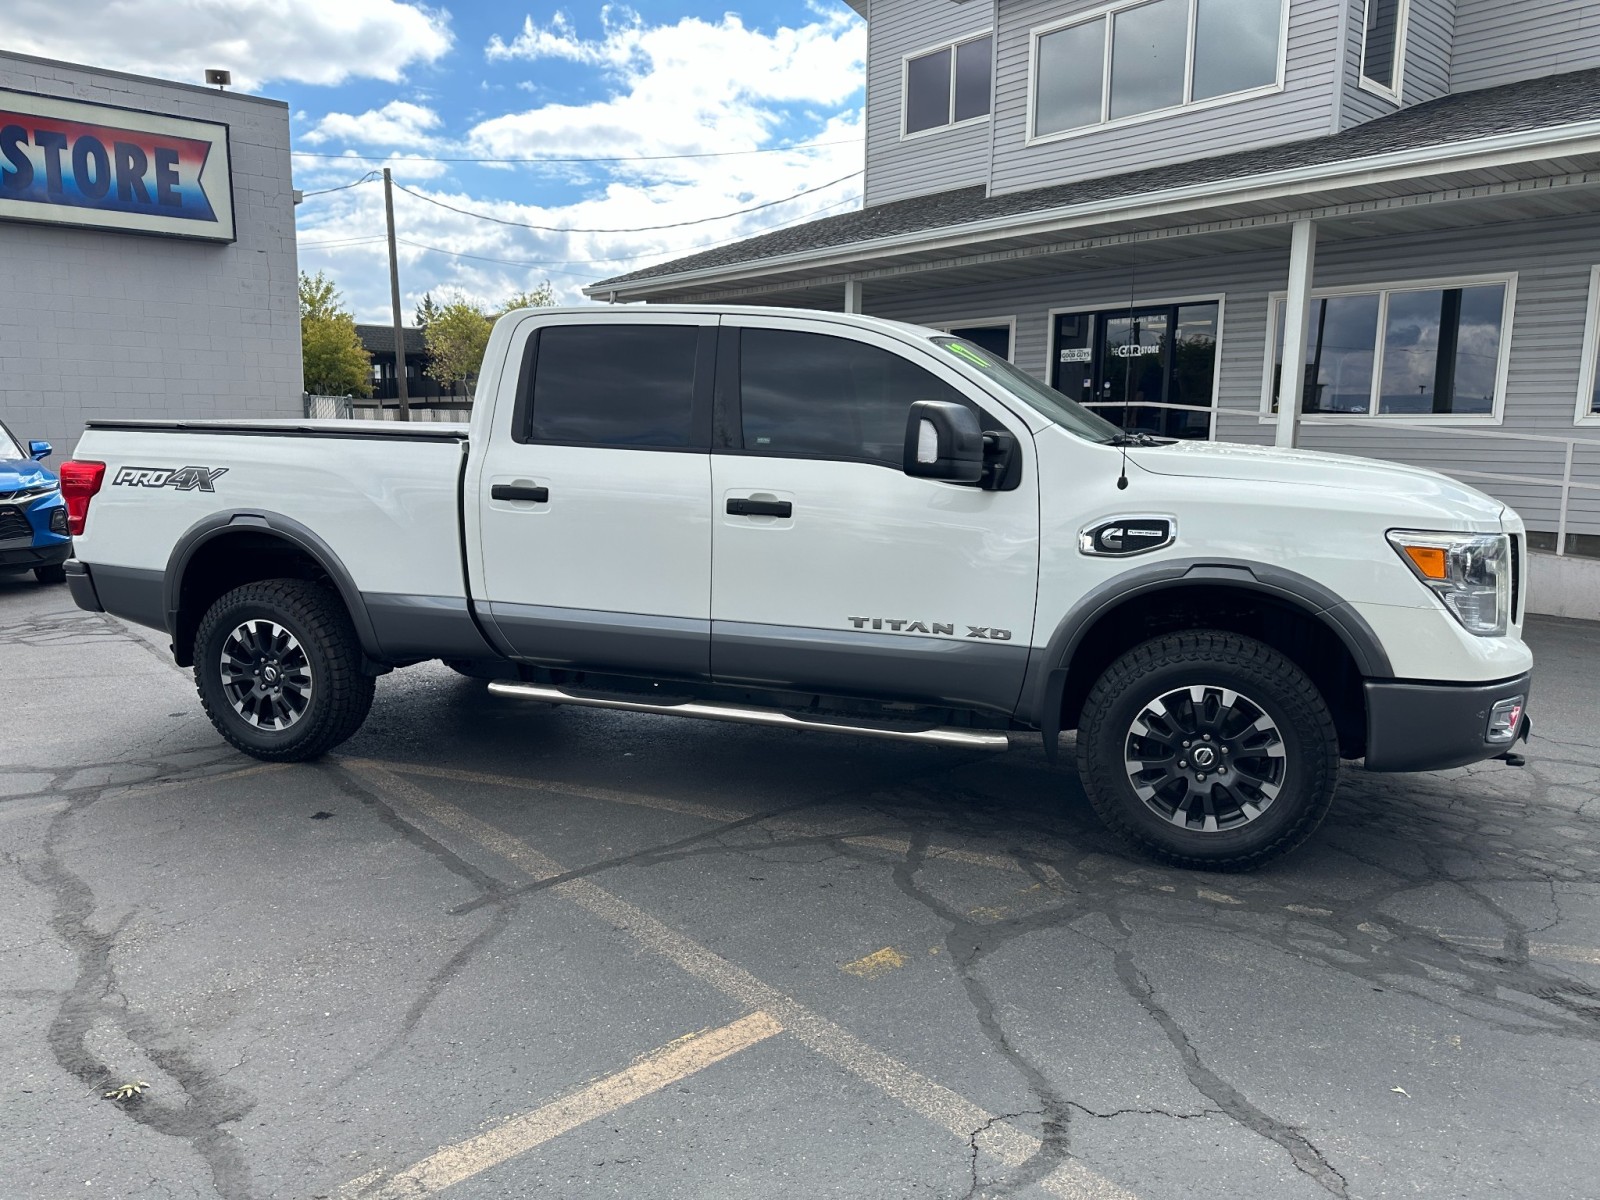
1431 351
1149 368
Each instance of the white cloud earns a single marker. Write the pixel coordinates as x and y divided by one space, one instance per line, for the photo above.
396 123
306 41
683 88
691 87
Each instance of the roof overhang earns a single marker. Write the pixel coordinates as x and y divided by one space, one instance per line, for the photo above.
1564 156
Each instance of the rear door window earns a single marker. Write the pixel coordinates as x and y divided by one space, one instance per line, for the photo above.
613 385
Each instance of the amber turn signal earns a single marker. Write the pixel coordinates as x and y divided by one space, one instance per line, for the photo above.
1429 560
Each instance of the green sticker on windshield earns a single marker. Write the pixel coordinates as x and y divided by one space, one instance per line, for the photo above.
966 352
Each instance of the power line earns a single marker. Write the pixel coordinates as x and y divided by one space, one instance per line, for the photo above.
637 229
369 177
372 239
603 159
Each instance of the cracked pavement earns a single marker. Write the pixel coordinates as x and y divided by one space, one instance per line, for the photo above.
477 908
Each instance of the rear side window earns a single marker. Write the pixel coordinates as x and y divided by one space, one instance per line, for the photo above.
614 385
809 393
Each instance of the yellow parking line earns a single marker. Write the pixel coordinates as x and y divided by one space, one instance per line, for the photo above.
661 1068
933 1101
879 962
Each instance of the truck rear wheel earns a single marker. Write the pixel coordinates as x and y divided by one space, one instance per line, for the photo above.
1207 749
278 668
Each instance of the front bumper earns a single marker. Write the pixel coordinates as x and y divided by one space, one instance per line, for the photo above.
1432 726
25 558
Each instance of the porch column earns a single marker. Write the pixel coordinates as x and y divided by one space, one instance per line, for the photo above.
852 296
1297 307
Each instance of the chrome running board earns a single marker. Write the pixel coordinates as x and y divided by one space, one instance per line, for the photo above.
970 739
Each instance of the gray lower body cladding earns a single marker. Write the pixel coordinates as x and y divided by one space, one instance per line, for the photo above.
1433 726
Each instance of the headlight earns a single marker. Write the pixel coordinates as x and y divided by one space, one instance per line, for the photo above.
1470 572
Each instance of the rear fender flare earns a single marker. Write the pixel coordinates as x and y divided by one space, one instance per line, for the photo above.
222 524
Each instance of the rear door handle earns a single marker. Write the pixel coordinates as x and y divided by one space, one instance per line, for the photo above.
760 508
514 491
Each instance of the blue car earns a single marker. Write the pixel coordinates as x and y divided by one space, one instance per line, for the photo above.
33 517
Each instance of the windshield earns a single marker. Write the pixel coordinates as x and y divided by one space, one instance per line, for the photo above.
1065 412
8 445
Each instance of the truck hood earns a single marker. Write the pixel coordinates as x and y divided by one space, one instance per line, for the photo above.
18 473
1310 468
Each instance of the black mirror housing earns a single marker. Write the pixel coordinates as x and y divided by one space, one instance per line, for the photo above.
944 441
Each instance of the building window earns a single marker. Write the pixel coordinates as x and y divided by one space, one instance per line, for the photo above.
1589 373
1407 352
1152 367
1383 46
948 86
1153 56
994 336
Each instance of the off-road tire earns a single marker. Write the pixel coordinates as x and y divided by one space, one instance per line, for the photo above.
341 694
50 573
1215 659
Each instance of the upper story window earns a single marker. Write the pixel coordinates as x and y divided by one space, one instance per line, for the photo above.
1150 56
1383 46
948 86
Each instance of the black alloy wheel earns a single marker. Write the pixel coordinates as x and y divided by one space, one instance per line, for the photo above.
1208 749
279 670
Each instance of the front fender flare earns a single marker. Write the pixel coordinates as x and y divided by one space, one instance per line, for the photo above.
1046 684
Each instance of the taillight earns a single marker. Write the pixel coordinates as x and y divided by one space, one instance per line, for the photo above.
80 481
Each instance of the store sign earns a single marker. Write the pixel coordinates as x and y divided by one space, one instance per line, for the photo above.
63 162
1077 354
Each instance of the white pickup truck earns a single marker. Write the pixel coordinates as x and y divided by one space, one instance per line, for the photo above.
834 523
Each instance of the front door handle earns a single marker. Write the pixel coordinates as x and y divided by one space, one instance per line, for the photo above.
760 508
515 491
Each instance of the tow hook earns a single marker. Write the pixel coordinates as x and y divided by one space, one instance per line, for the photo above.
1511 758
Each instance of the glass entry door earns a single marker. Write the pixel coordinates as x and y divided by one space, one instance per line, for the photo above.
1151 369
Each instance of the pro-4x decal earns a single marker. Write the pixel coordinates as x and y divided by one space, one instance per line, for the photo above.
184 479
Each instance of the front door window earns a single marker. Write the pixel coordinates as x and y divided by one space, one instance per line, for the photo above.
1151 369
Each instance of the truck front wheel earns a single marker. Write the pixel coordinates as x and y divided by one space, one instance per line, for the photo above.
1207 749
278 667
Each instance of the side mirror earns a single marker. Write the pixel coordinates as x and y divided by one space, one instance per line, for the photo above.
38 450
944 441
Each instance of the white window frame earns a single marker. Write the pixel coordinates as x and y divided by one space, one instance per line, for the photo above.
1107 13
905 85
1402 27
1220 299
1590 368
1275 301
985 323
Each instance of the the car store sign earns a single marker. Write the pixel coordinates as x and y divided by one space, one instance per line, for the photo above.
64 162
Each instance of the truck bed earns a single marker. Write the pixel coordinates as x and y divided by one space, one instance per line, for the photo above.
427 431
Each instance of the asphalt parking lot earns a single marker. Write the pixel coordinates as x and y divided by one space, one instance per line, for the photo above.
491 949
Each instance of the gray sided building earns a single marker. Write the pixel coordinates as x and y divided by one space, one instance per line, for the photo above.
1153 204
147 233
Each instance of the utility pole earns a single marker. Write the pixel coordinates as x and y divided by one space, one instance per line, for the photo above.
394 299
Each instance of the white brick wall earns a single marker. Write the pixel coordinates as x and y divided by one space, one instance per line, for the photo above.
102 324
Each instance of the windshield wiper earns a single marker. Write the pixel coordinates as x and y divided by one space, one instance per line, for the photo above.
1140 438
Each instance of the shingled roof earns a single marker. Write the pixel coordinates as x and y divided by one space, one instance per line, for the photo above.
379 339
1523 107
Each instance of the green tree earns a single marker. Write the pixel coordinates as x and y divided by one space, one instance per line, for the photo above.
332 357
456 338
427 310
542 296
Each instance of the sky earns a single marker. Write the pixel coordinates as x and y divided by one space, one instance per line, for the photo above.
696 107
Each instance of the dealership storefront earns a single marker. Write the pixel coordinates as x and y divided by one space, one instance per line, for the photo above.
147 232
